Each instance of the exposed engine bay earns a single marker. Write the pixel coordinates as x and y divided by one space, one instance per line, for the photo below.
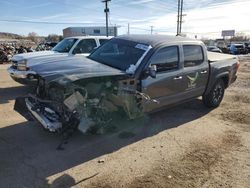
85 104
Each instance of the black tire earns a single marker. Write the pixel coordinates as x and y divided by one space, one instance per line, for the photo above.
215 96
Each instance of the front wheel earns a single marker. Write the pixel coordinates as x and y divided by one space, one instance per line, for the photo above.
215 96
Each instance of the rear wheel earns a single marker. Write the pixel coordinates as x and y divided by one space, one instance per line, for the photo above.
215 96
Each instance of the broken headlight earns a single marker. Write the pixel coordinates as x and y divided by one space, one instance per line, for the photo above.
22 65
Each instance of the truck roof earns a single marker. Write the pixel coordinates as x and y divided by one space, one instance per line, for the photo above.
154 40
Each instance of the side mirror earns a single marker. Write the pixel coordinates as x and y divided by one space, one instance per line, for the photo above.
152 71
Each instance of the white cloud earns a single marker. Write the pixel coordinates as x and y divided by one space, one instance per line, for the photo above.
52 17
208 21
140 2
204 17
35 6
217 18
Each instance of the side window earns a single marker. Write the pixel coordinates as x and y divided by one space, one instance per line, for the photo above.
193 55
85 46
102 41
166 59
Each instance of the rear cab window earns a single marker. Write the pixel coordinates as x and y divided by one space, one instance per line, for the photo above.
166 59
193 55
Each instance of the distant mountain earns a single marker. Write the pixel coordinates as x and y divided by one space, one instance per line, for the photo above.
10 35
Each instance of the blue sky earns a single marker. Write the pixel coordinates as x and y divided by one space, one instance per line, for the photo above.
204 17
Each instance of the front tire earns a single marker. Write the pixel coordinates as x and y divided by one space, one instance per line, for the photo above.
215 96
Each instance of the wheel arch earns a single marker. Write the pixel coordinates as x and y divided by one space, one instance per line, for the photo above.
224 77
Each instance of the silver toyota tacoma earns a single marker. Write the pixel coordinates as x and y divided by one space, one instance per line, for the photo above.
128 76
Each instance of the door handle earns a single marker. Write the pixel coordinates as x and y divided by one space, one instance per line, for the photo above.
178 78
203 72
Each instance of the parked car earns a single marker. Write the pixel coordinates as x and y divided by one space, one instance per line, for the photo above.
21 68
214 49
238 49
46 46
247 45
129 75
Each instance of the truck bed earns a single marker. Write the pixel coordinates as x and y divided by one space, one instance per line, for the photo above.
213 56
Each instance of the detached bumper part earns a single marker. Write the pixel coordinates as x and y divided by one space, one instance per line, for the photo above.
47 124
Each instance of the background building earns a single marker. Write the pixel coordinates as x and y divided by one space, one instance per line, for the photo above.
93 31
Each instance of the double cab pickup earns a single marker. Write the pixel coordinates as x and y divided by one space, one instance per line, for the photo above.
130 75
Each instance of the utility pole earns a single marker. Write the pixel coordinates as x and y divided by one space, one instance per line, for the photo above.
128 29
106 10
151 29
178 18
181 16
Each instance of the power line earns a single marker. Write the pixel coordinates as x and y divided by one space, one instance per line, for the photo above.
159 6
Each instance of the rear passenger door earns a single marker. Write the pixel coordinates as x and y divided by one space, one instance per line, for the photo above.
168 84
195 70
84 47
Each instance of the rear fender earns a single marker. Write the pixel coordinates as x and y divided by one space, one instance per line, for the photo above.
224 76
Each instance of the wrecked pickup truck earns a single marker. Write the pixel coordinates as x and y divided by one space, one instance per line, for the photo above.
132 75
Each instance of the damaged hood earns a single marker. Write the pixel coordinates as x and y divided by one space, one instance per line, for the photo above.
46 59
74 68
40 58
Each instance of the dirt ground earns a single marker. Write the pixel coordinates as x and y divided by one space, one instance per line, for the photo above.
187 146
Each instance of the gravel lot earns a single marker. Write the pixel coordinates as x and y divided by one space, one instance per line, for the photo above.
185 146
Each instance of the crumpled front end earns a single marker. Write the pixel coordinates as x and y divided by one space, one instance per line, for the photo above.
85 104
45 115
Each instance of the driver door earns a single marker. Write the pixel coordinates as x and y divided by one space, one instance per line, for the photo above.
168 85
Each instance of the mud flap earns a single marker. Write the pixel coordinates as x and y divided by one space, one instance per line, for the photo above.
21 108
